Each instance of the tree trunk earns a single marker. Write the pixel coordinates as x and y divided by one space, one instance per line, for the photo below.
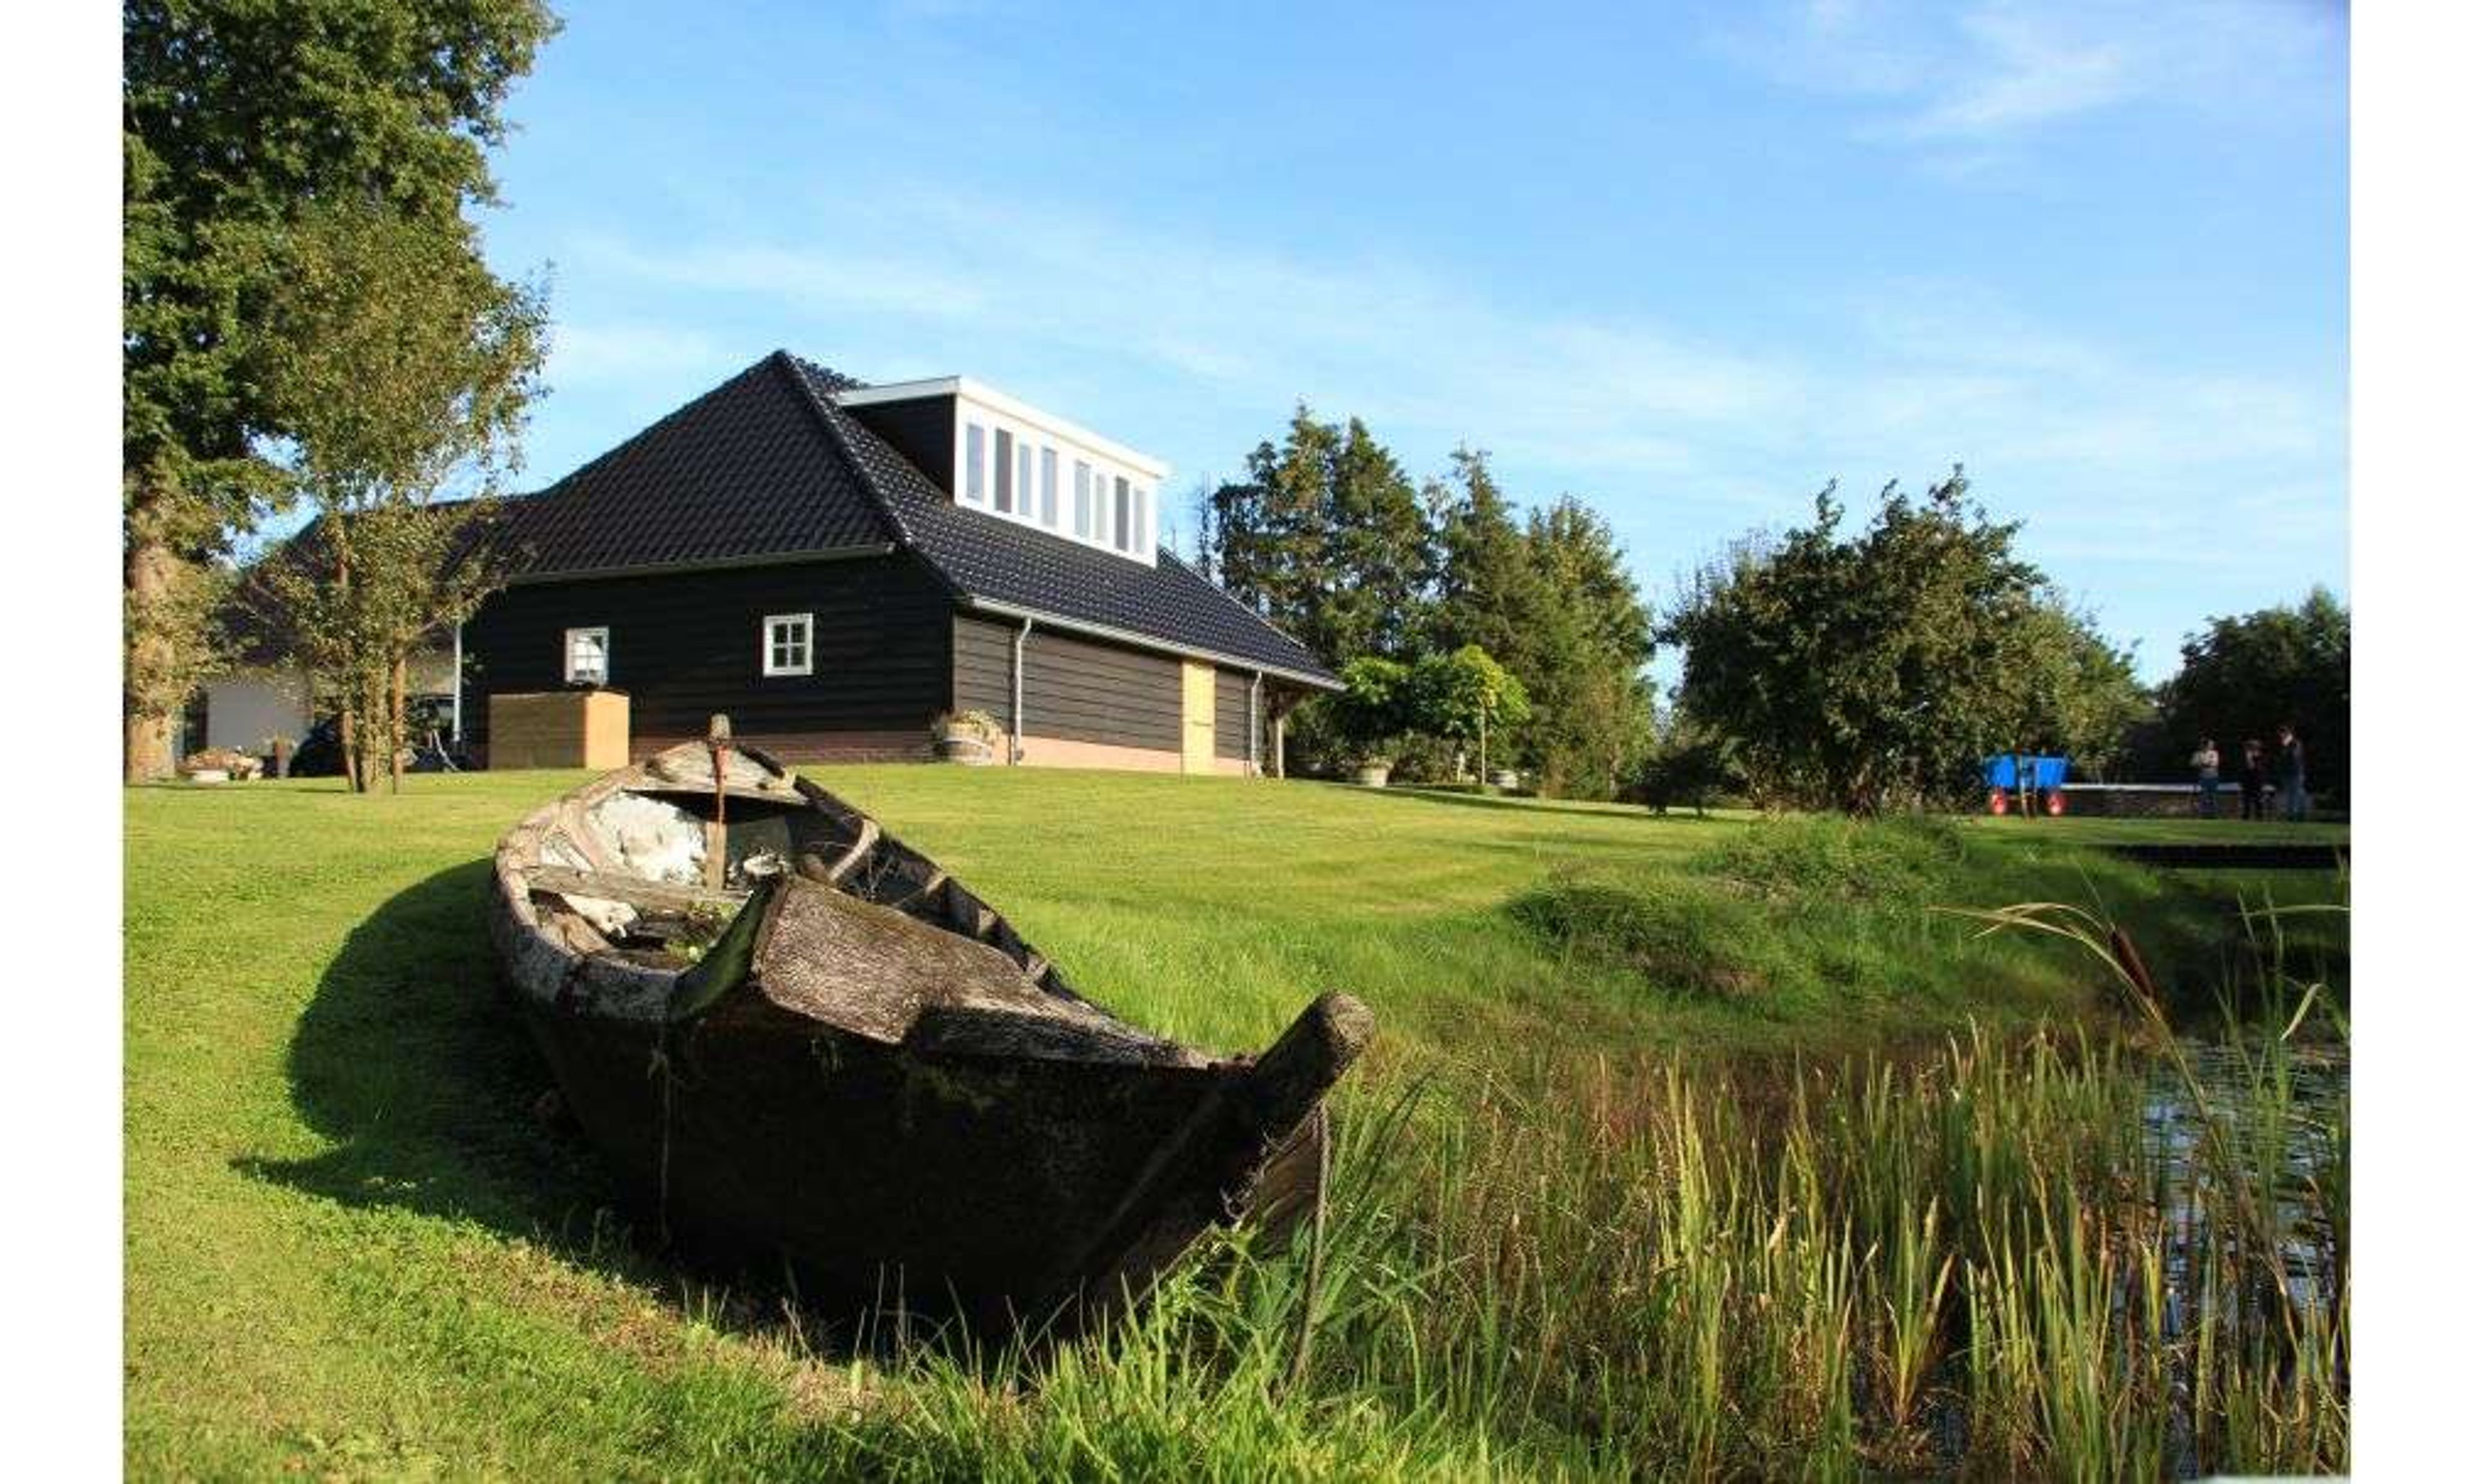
395 727
152 578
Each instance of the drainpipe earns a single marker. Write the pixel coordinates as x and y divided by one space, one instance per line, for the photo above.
1253 728
1014 722
458 713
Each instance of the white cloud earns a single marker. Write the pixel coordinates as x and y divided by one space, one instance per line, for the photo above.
1900 381
1385 340
2022 69
1965 86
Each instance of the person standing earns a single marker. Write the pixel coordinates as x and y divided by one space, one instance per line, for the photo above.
2253 780
2207 762
2291 773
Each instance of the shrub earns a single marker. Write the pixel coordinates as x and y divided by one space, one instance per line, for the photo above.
1678 936
1905 859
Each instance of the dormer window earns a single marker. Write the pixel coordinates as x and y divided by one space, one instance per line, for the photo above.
1008 460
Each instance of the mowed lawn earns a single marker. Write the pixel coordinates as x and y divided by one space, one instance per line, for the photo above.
351 1248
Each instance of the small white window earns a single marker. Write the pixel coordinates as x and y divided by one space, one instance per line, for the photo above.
789 643
1123 525
1082 500
1048 487
588 657
974 464
1025 486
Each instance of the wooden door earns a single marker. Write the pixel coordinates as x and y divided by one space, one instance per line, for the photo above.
1201 699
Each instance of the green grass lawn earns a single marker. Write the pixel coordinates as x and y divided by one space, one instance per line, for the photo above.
350 1246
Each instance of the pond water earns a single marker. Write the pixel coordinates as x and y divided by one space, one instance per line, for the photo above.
2287 1108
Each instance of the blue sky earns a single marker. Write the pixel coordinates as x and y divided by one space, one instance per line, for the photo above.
1688 263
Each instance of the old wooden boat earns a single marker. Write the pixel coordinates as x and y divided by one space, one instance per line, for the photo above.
867 1074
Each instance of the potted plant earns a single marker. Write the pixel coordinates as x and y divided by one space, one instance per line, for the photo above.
967 737
217 765
1370 714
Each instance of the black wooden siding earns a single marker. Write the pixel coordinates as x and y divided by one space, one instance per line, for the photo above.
1230 710
684 645
1072 689
921 429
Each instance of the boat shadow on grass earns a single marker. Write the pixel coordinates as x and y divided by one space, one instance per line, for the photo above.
412 1060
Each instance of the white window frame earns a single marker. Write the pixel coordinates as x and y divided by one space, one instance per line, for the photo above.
806 623
1037 498
566 655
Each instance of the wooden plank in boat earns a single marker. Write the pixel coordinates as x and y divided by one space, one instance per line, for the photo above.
636 891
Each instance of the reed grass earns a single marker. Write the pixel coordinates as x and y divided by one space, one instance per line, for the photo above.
1999 1260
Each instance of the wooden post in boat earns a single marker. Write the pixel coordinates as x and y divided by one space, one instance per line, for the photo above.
716 833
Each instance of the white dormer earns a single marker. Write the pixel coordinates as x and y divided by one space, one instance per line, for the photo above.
1005 458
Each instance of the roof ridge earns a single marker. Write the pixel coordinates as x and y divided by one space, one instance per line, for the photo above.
795 368
650 428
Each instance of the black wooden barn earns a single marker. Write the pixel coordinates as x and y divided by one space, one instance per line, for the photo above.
834 564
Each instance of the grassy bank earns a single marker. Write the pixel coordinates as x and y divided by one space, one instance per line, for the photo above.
350 1246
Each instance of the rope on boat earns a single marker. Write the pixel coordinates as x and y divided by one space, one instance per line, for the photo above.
659 1067
1313 1256
858 851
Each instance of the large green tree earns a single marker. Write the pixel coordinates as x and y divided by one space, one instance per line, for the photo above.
1483 581
235 116
1326 538
399 362
1382 554
1581 643
1873 669
1269 536
2243 676
2075 692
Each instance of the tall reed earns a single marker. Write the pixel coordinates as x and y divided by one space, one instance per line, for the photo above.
2048 1257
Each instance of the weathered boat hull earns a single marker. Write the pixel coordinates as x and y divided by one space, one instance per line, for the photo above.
1004 1160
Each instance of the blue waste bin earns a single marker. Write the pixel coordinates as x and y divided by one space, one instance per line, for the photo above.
2044 773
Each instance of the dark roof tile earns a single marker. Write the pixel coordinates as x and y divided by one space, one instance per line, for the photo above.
736 474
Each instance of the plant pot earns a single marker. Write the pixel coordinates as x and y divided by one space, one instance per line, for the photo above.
1506 778
1374 775
967 748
